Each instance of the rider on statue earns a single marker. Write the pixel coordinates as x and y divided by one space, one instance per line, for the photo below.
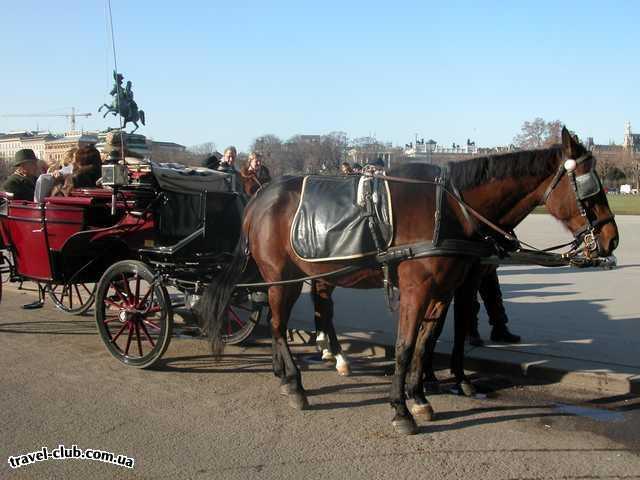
123 103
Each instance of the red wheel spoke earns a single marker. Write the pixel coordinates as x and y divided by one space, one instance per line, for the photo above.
113 319
144 299
153 325
155 309
113 340
126 352
137 296
236 317
127 288
119 292
111 303
138 338
146 333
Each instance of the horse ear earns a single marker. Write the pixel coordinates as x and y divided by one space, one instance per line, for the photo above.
569 145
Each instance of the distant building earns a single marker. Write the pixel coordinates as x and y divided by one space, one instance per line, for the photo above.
56 149
613 152
430 152
166 149
363 153
11 142
631 140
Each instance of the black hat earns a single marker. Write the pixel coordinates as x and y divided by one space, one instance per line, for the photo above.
23 156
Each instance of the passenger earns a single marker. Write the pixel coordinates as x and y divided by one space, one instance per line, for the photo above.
375 166
227 165
43 167
228 160
22 182
212 161
65 161
254 174
345 169
86 169
357 168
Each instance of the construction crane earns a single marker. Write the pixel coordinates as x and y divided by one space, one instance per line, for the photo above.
72 116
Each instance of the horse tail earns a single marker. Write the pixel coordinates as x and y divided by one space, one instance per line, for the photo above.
141 113
212 306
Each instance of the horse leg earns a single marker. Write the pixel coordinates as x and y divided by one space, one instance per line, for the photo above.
412 310
463 311
281 300
136 124
327 340
431 384
428 333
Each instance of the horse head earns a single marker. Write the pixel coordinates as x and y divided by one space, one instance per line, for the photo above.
575 197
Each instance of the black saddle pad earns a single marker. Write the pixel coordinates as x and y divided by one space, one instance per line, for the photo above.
330 225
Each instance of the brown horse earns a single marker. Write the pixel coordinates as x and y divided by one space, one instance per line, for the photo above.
503 188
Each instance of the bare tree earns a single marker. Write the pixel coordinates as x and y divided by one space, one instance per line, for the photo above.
275 156
5 169
206 148
197 155
631 167
538 134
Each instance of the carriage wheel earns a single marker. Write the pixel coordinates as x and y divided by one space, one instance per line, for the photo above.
241 318
73 298
133 313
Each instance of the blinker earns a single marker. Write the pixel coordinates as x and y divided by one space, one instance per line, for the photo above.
587 185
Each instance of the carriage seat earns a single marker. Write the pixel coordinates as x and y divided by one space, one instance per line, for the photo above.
180 179
332 222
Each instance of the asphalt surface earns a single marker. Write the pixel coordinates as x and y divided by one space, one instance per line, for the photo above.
197 418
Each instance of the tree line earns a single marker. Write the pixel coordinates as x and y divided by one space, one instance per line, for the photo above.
614 164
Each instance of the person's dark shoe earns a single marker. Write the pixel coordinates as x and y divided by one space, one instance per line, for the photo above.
33 305
502 334
475 340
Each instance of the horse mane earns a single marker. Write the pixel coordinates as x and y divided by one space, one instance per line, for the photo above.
476 171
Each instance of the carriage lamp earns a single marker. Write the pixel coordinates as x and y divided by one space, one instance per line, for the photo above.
115 175
570 165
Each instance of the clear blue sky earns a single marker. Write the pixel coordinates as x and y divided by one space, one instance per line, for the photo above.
230 71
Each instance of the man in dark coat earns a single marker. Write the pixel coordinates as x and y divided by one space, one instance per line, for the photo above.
491 295
22 182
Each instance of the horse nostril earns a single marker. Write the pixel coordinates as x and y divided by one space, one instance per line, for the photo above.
614 243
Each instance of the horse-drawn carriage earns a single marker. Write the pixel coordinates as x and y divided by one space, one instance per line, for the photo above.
138 249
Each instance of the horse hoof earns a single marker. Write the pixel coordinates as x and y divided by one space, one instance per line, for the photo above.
327 355
423 410
405 425
298 400
432 387
467 388
343 370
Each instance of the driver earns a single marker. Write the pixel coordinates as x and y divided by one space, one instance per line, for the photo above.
22 182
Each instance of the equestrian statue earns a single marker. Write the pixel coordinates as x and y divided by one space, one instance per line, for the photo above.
123 103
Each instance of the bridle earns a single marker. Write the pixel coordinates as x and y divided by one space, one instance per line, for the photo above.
584 186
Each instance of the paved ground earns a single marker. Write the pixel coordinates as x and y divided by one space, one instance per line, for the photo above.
578 325
195 418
